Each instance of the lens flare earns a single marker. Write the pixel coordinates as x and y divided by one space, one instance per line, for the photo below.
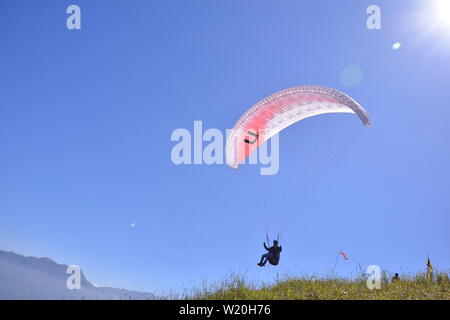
396 46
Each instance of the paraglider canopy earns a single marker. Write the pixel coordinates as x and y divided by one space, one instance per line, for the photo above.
282 109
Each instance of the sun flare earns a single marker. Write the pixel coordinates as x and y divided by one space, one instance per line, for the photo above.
443 11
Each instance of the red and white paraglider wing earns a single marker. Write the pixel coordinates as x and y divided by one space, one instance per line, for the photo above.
278 111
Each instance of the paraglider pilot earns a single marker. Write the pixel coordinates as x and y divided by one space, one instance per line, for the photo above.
273 254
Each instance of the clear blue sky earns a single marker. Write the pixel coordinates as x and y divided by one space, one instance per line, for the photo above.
86 117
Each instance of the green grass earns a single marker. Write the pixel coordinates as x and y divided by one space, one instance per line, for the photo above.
414 287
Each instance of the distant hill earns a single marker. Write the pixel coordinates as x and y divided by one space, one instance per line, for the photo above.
43 279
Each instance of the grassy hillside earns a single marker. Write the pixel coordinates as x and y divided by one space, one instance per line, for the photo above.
408 287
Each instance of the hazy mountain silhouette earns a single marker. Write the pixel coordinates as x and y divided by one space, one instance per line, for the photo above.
41 278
